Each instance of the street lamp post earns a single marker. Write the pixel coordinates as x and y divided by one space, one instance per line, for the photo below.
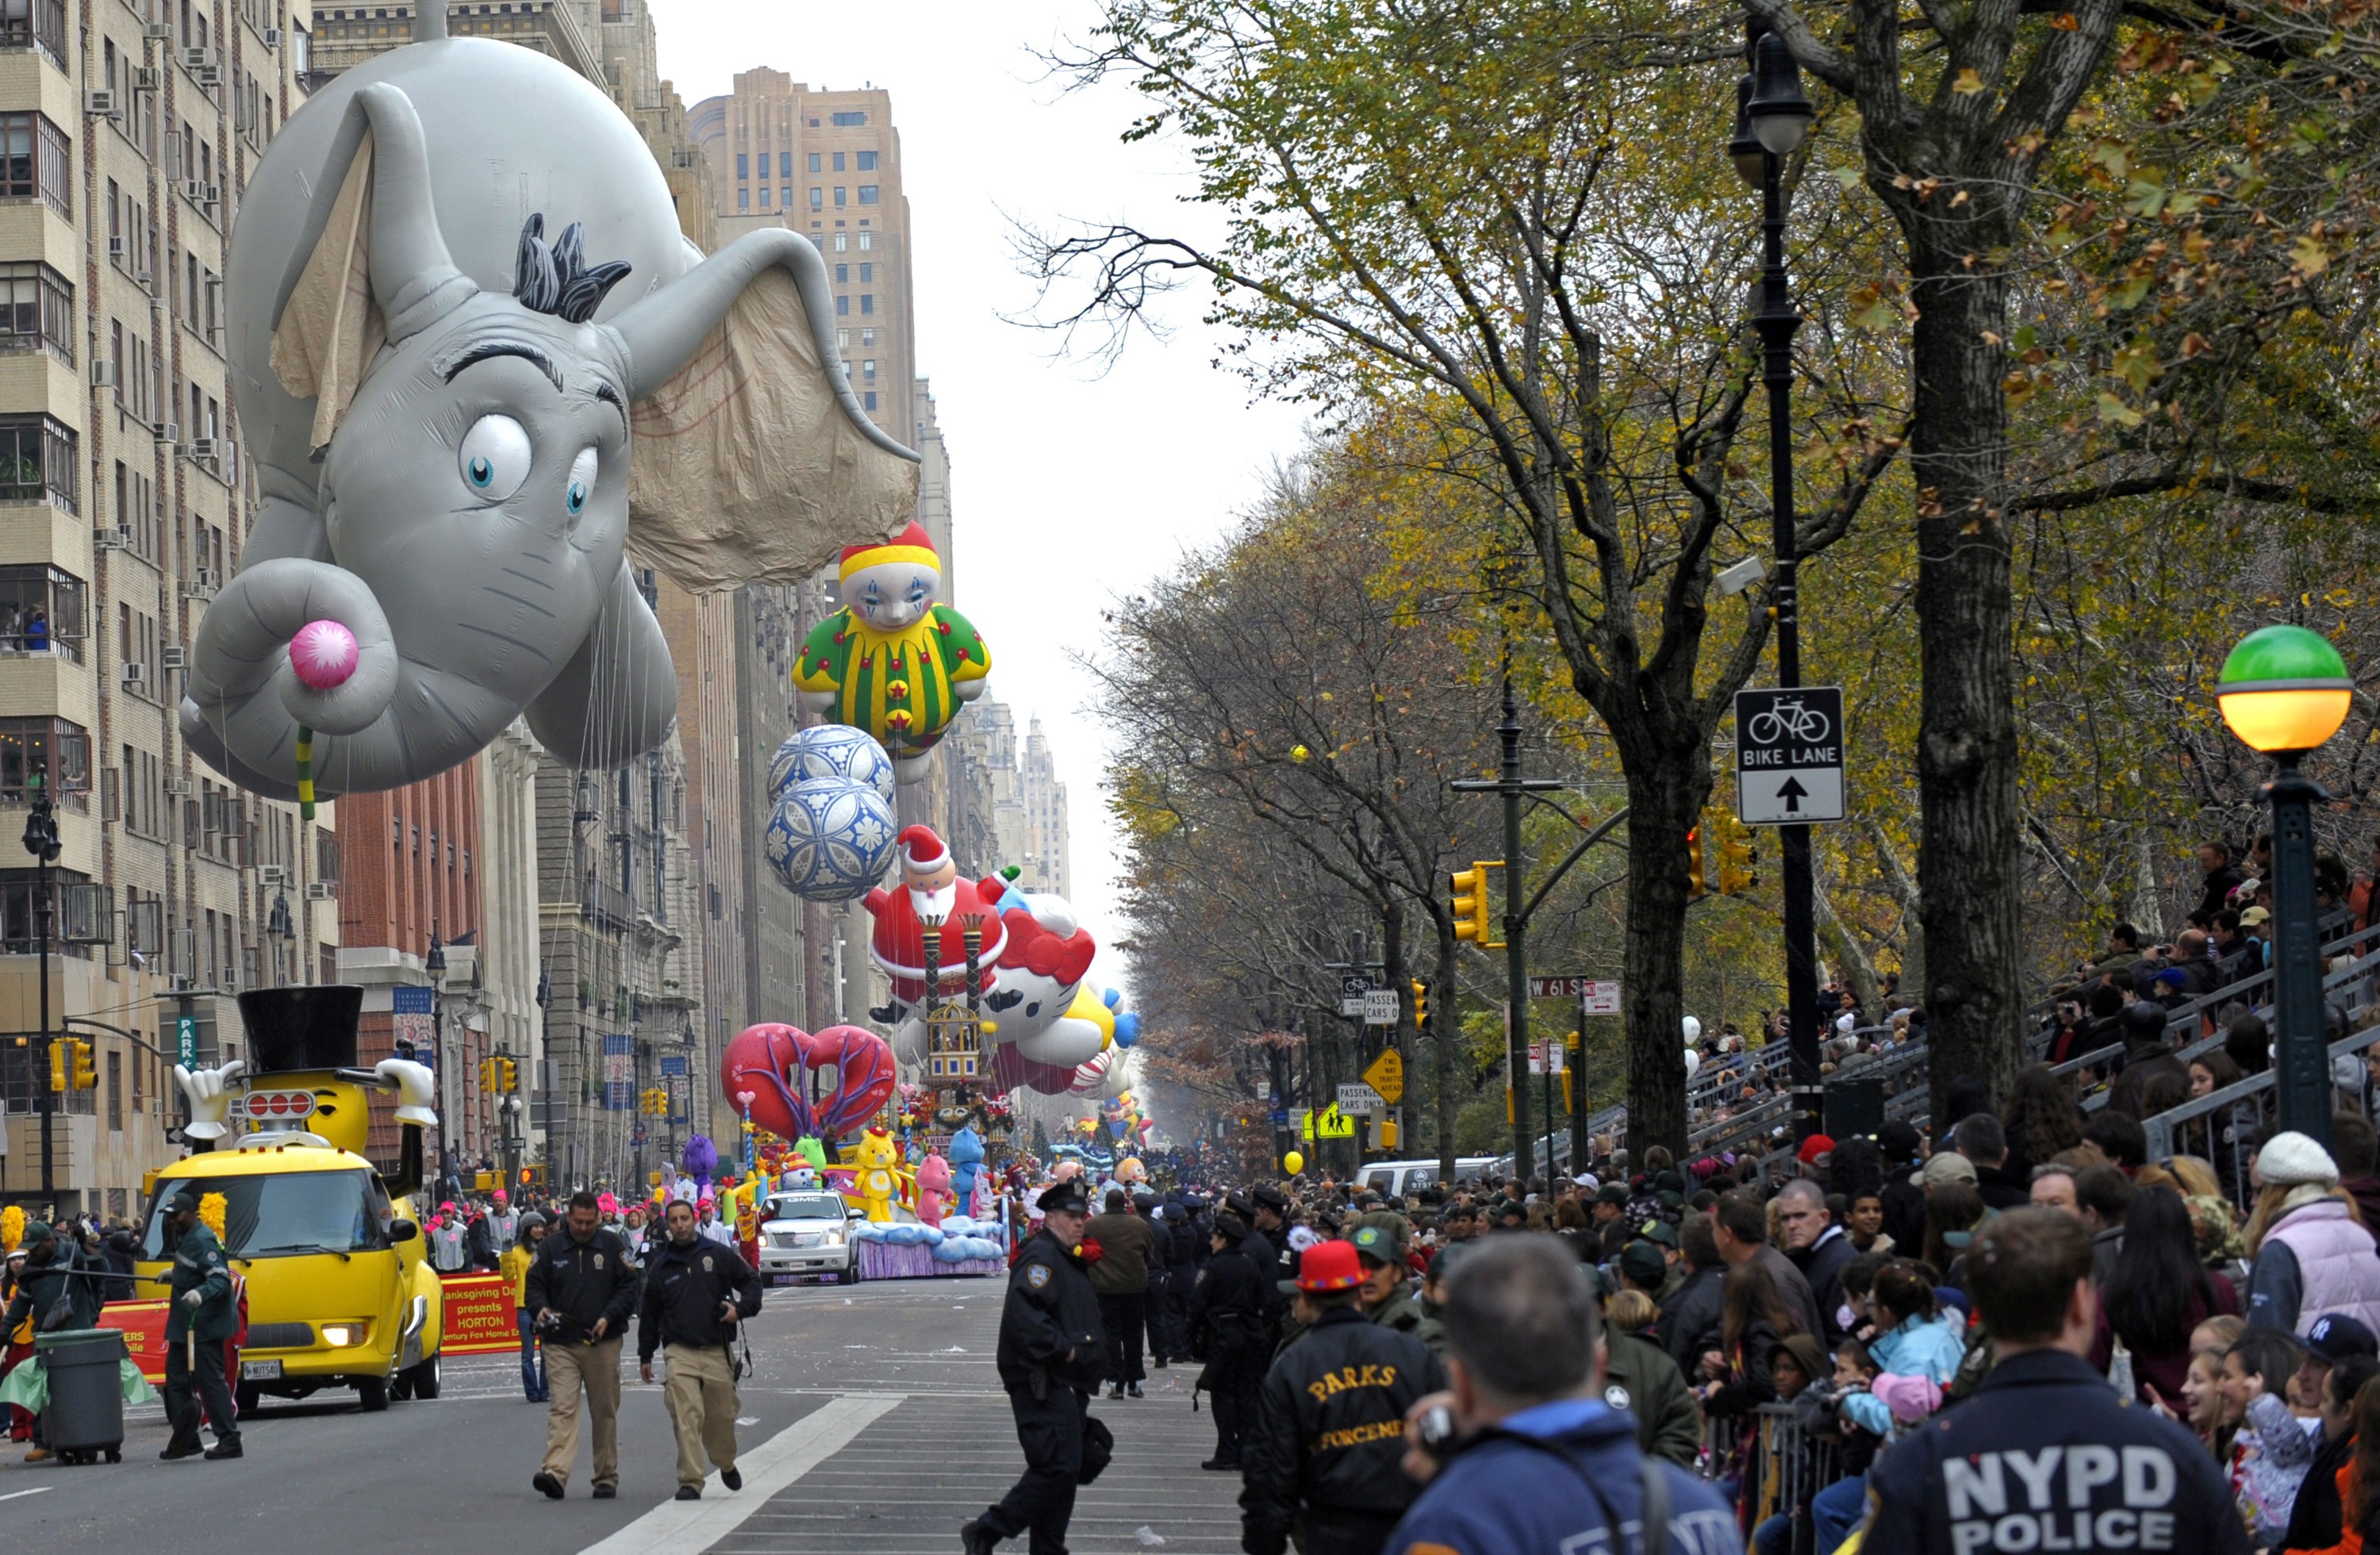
280 930
1771 117
434 964
2284 691
42 841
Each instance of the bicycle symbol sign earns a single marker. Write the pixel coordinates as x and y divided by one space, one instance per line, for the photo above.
1789 755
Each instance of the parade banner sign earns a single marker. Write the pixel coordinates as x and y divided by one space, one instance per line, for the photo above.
142 1323
480 1314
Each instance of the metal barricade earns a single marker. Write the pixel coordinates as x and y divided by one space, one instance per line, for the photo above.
1788 1466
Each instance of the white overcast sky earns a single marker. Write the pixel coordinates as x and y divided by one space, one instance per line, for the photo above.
1068 487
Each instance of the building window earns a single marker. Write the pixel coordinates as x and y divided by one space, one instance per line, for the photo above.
867 194
868 368
33 161
764 197
785 198
42 610
867 240
785 165
49 752
743 165
868 162
866 273
842 242
843 340
867 302
839 192
744 198
817 198
36 310
872 399
845 120
842 274
25 24
814 162
73 905
37 460
838 163
843 307
867 337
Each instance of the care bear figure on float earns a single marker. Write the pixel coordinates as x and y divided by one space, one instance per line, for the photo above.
876 1187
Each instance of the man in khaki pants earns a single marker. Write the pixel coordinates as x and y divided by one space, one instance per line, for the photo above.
696 1291
580 1292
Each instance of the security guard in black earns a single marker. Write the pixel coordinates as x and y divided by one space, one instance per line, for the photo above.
1049 1360
1330 1421
685 1287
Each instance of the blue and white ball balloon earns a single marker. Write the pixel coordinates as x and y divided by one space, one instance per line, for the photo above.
827 750
831 839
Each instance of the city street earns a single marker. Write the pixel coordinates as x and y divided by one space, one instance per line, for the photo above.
874 1427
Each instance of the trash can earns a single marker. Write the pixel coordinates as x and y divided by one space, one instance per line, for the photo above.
85 1415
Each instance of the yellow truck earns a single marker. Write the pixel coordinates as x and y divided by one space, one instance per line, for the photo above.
340 1292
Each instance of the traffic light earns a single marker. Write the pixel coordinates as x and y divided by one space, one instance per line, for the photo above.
1421 1004
1736 857
655 1102
1695 887
79 1057
58 1064
508 1075
487 1074
1472 916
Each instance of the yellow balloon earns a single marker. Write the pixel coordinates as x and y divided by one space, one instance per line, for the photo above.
1292 1163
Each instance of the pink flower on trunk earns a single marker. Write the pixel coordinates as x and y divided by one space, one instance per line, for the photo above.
323 653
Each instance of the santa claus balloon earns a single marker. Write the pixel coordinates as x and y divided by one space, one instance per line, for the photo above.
932 899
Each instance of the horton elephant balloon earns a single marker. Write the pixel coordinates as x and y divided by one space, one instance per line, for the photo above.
438 391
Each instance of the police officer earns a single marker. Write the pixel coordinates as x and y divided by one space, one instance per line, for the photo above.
1228 1332
1051 1354
1331 1434
581 1290
696 1291
199 1318
2042 1455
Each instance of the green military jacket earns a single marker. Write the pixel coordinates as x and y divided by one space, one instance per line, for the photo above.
1639 1377
200 1265
1404 1314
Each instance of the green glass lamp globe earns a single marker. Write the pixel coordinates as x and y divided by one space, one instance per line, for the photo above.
2284 689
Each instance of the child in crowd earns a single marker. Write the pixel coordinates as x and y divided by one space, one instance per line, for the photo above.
1796 1368
1855 1376
2272 1452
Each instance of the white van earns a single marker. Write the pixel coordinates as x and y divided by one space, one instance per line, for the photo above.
1393 1179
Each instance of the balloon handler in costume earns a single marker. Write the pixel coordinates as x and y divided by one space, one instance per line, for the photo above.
892 662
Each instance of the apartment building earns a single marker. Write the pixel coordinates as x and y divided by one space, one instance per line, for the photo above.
131 130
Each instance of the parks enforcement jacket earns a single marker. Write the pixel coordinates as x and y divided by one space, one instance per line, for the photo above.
1051 1309
1331 1427
2044 1457
199 1265
583 1281
684 1288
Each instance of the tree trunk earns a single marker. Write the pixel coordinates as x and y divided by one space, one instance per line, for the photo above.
1445 1039
1966 745
1666 792
1857 969
1894 876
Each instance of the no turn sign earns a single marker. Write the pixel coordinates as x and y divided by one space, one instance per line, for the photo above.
1789 755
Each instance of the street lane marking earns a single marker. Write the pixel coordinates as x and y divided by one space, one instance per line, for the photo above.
36 1490
680 1528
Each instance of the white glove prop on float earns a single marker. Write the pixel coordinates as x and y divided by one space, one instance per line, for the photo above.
417 1087
210 1094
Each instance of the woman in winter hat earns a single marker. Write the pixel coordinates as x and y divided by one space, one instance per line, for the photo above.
2310 1254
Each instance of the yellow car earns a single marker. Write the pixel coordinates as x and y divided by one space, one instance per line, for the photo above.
340 1294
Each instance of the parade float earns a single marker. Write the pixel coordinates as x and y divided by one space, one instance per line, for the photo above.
340 1292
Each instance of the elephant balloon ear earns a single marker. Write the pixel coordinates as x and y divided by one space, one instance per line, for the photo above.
754 461
371 264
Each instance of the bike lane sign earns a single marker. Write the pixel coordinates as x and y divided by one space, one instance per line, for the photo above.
1789 755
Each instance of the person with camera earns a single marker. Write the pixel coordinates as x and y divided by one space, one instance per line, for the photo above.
581 1292
2043 1456
1523 1452
696 1293
1051 1353
1330 1432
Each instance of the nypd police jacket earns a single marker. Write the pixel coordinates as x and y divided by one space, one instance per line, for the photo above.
1051 1325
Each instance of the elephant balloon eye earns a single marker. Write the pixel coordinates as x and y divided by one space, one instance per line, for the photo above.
496 457
582 483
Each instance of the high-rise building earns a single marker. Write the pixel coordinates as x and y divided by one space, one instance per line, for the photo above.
828 165
125 500
1049 859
